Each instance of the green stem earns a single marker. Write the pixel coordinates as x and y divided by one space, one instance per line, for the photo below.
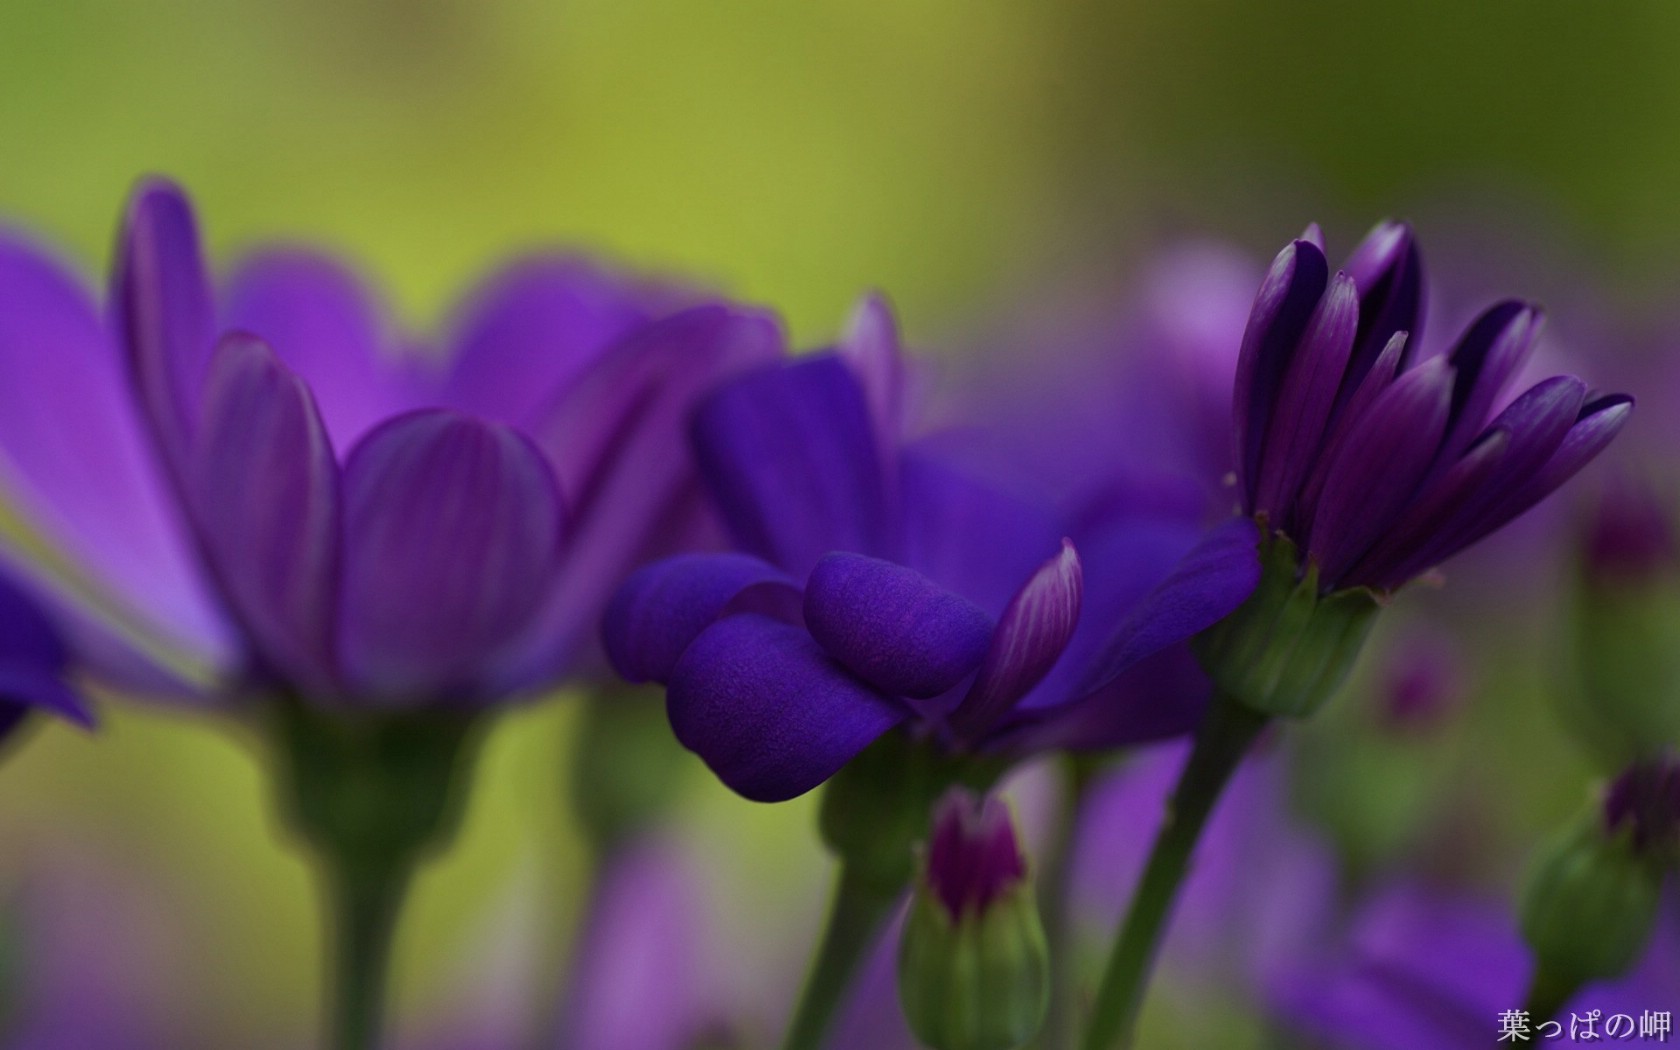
860 908
1547 994
367 900
1220 745
1077 775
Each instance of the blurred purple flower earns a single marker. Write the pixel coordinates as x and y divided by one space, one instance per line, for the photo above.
262 482
885 588
1630 534
1376 467
1645 802
1423 682
33 665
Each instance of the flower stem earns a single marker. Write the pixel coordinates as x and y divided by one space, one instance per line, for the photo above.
1221 743
859 909
367 898
1077 773
1547 994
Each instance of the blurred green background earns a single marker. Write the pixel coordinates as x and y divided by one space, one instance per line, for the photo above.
949 151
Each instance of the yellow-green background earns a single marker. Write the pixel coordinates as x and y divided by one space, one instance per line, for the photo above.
949 151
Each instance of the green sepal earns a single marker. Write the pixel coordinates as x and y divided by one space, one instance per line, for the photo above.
1589 903
1288 648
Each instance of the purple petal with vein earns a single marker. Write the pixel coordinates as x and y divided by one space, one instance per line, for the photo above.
893 627
769 711
1031 636
452 530
663 607
1486 360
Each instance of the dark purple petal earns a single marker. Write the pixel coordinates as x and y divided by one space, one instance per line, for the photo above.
893 627
662 607
973 856
1486 360
325 325
1309 390
872 350
263 486
534 328
164 315
1378 469
1031 635
1389 273
1282 309
452 531
1156 698
33 661
619 441
790 454
1343 423
1208 585
769 711
82 473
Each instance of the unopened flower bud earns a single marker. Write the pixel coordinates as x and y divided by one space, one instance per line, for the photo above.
1644 803
1289 648
974 969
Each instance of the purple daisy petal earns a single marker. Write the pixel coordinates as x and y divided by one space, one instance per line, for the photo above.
893 627
1377 379
1031 636
1306 396
1388 270
1486 360
264 491
326 326
790 454
1282 310
1209 584
164 314
1378 470
532 330
769 711
32 663
663 607
452 531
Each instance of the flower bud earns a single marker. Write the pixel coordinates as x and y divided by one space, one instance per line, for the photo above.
973 966
1626 624
1288 649
1591 901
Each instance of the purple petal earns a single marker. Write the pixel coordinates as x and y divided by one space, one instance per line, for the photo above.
1343 422
1309 390
872 349
1032 634
663 607
619 442
324 324
163 308
1389 273
1377 471
1486 359
452 530
532 330
769 711
33 659
83 477
1282 309
1207 586
790 454
265 498
893 627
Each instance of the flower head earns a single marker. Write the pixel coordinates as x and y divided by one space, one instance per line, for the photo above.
1377 466
265 485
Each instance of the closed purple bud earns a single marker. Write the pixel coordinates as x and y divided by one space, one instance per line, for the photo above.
1630 535
1645 802
973 856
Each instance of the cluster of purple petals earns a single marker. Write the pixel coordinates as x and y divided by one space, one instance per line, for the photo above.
878 586
1377 465
264 481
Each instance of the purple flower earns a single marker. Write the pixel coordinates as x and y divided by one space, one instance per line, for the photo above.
33 665
1630 535
263 483
1379 467
881 587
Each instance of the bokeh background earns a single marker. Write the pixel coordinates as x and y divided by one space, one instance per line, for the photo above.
961 154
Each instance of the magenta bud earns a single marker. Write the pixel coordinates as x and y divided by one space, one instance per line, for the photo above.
973 856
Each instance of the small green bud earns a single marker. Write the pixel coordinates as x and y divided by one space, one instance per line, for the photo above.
1288 649
973 965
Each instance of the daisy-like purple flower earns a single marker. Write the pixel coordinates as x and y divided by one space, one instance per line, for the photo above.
1378 466
879 588
256 482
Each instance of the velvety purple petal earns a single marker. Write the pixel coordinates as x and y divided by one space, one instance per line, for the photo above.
1206 586
1157 698
1388 270
1297 430
1486 359
452 530
1346 418
662 607
618 438
893 627
790 454
164 313
1378 470
1031 635
769 711
326 326
1282 309
82 476
872 350
264 490
534 328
